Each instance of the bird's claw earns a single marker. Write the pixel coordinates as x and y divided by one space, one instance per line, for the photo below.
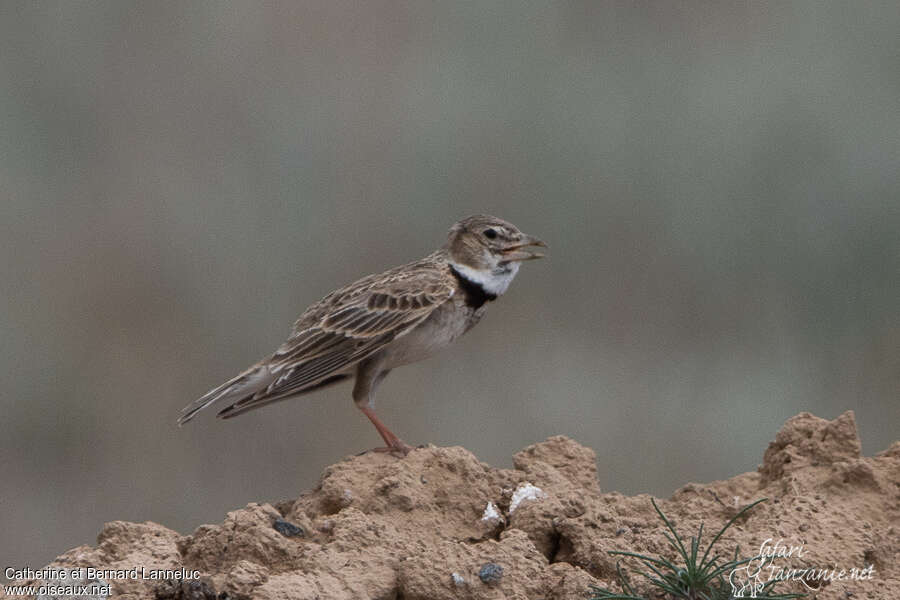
399 449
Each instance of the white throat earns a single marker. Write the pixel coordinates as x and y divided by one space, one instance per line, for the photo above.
493 281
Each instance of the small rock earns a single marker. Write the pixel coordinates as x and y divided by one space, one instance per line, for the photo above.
189 590
491 515
287 529
457 579
326 526
490 573
525 492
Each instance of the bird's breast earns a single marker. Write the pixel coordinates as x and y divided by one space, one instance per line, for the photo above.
442 327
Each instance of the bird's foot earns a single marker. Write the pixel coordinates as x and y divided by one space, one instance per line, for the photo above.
395 445
398 448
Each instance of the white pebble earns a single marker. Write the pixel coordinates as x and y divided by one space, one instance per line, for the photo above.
524 492
490 513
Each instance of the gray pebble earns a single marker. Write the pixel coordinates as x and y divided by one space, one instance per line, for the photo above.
287 529
490 573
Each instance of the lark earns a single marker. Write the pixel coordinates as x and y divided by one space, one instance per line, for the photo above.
380 322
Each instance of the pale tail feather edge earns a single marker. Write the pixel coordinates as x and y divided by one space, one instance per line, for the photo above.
247 383
238 408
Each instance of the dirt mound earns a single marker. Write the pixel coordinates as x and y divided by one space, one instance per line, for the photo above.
440 524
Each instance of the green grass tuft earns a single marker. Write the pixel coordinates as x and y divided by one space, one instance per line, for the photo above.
699 577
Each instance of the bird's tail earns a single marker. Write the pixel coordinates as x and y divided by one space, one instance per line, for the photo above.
247 383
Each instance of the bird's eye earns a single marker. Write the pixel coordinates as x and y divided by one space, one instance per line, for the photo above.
490 233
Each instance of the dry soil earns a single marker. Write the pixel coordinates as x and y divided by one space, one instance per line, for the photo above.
439 524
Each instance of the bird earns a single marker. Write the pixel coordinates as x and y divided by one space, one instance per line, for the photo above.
383 321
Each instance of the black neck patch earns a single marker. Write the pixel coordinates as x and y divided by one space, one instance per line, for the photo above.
475 294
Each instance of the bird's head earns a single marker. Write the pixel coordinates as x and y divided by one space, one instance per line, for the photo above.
487 251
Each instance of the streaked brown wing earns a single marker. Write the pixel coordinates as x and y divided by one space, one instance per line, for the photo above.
347 326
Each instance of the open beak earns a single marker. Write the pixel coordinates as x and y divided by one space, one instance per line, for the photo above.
517 252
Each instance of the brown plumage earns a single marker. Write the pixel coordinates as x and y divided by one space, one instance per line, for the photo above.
382 321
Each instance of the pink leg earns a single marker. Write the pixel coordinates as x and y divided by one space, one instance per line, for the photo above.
395 445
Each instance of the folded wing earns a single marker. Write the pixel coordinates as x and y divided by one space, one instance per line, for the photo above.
334 335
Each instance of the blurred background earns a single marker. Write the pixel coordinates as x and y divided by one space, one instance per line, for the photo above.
718 184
